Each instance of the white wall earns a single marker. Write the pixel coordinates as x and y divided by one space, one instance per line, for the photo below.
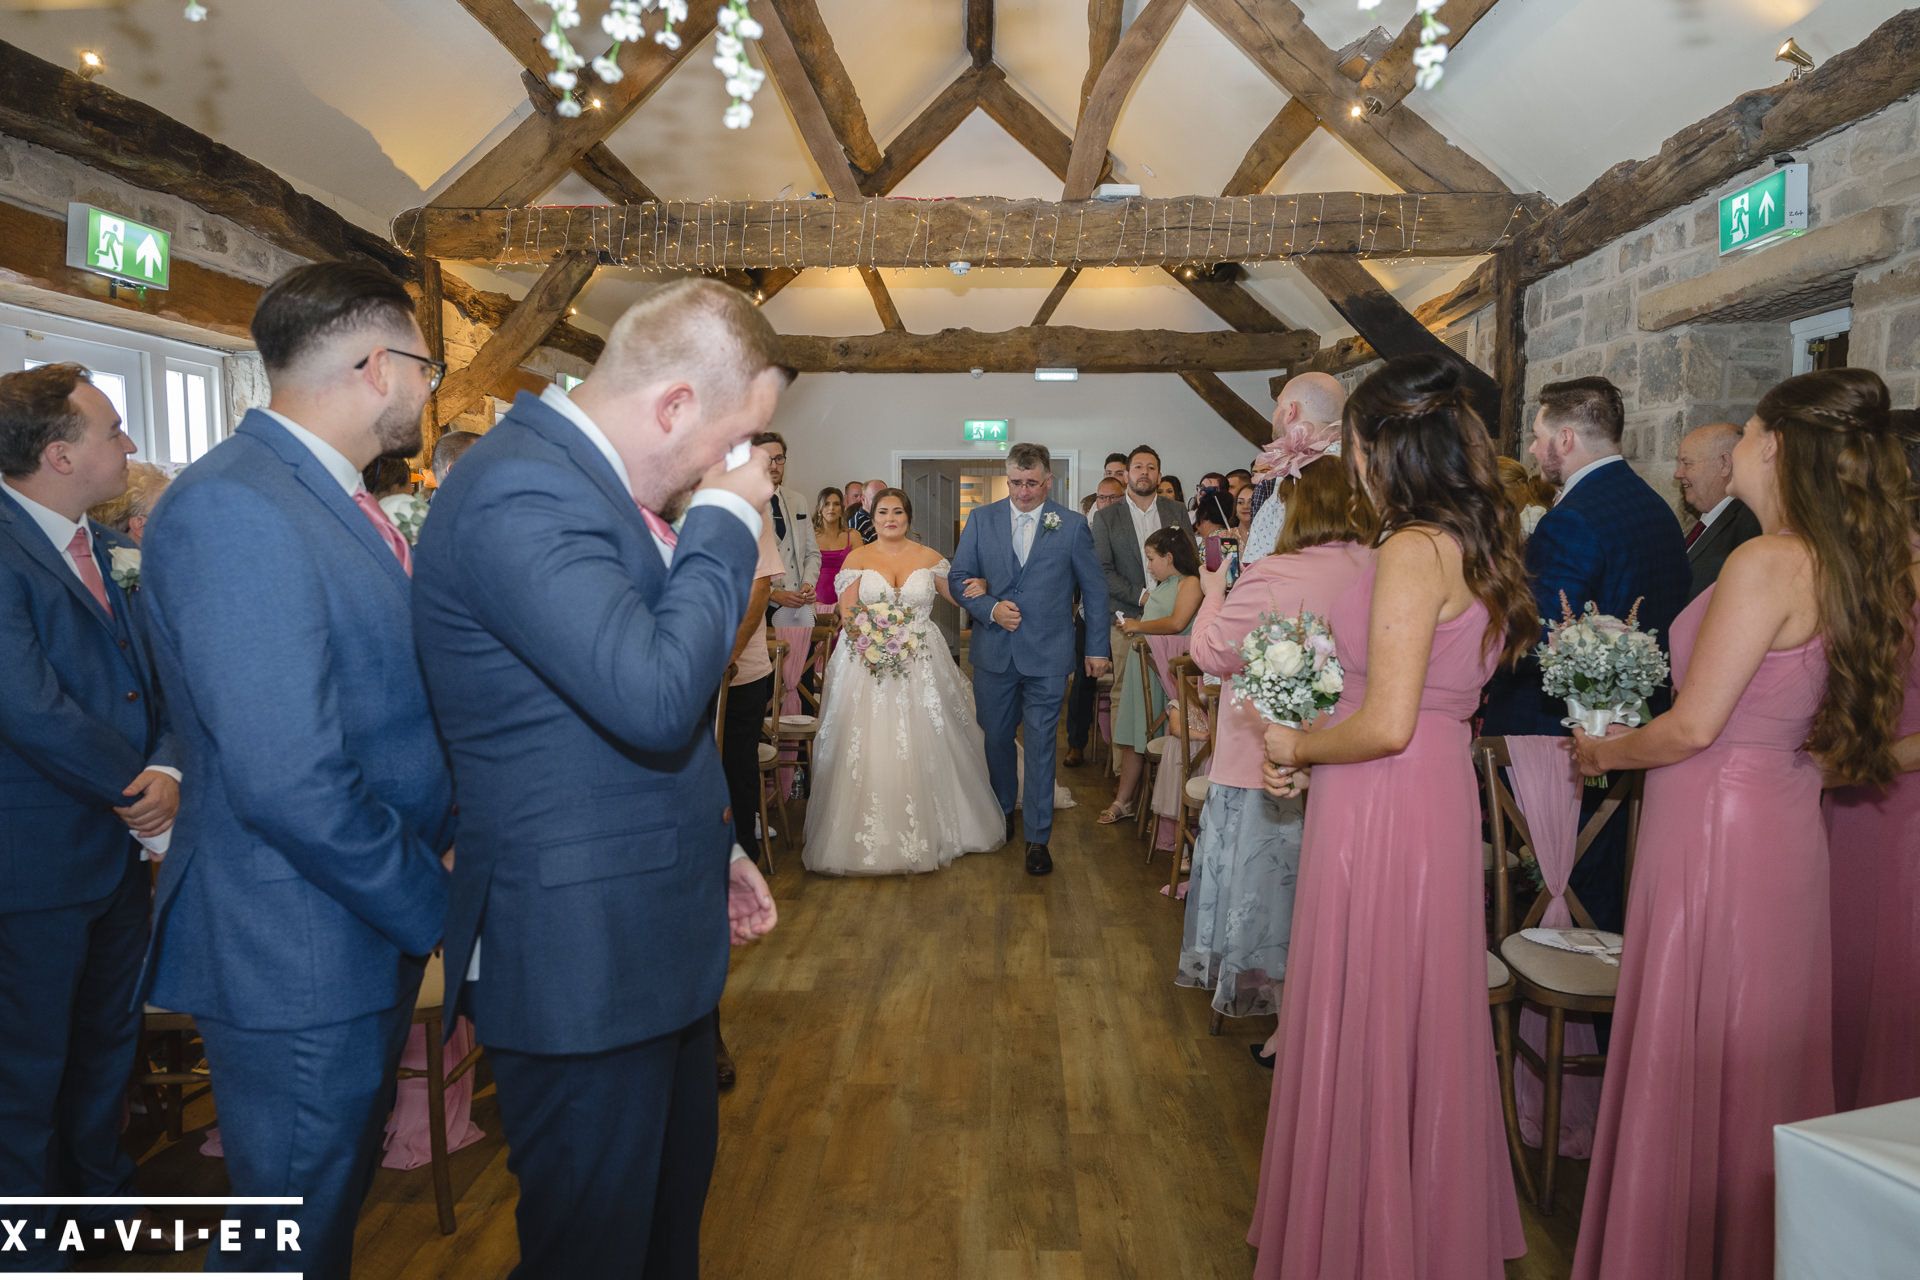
839 426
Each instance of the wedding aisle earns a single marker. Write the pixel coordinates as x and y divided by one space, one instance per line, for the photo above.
973 1074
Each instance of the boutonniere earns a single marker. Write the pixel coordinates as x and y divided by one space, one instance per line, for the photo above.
123 563
1050 521
408 511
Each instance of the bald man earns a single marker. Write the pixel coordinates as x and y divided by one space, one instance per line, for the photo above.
1314 398
1721 521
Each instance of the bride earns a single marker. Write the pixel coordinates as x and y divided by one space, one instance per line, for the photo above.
900 773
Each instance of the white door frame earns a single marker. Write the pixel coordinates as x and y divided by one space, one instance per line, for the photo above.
1809 329
1071 457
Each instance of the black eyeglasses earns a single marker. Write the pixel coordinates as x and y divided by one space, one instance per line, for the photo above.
436 369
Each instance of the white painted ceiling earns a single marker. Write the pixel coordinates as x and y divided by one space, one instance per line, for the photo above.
373 105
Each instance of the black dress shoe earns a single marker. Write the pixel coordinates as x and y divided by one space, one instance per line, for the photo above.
723 1065
1265 1060
1039 861
1009 829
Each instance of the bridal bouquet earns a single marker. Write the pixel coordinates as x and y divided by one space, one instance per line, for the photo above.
1290 673
885 637
1604 668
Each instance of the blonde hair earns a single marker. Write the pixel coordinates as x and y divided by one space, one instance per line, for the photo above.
698 329
145 483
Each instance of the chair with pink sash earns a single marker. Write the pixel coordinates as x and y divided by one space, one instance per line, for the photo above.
1169 776
792 725
1196 702
1560 962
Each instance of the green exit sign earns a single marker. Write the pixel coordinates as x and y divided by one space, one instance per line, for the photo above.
114 245
985 431
1771 209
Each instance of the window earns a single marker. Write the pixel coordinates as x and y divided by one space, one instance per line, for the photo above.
168 394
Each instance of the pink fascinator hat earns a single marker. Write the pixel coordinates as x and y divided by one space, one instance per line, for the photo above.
1298 445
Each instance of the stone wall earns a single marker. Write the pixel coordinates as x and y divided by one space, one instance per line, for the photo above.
1583 319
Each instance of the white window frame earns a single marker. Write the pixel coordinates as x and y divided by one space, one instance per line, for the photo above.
142 359
1811 329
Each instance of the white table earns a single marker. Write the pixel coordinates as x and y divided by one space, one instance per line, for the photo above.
1848 1205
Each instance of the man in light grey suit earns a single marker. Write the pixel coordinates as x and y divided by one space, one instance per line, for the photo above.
1721 521
1120 532
791 604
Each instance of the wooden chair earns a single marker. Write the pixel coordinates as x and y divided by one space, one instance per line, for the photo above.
1198 702
170 1036
429 1012
797 732
1558 982
1158 742
770 761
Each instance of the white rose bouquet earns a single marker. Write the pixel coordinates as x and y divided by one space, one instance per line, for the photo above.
885 638
1291 674
1604 668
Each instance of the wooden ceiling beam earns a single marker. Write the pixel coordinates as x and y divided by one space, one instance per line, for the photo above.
1104 18
1088 156
1390 79
1399 143
980 31
1254 427
929 129
986 231
1270 151
812 46
882 300
1029 126
1050 346
1056 295
525 328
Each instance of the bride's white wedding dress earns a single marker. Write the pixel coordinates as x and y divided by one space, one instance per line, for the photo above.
900 768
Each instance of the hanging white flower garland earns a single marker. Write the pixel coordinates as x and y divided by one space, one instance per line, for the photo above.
624 20
1429 58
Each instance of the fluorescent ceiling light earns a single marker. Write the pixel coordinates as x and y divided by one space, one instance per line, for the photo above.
1056 375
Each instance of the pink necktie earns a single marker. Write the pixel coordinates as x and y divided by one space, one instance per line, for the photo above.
660 528
82 552
384 527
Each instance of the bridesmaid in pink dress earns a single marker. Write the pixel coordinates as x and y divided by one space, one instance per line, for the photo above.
1385 1156
1724 1020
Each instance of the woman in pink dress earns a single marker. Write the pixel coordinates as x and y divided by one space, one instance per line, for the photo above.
835 540
1724 1022
1385 1155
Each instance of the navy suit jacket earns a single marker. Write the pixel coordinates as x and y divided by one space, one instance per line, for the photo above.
80 718
1059 561
1611 541
573 677
306 858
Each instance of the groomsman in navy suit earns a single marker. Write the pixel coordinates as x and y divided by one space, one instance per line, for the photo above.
305 885
1609 539
574 642
86 765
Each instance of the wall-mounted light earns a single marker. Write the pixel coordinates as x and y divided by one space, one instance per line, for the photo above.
1056 375
1794 56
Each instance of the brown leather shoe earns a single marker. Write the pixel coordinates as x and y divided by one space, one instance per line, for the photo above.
723 1065
1074 758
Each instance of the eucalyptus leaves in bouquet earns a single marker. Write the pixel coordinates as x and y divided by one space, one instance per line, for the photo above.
1605 668
1289 671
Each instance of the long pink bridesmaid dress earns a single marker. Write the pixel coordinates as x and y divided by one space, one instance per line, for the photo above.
1875 837
1385 1158
1724 1023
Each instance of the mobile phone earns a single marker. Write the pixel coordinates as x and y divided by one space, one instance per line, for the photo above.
1231 557
739 455
1213 551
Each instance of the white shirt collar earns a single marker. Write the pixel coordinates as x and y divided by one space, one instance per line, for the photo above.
1566 486
562 403
331 458
1714 514
58 528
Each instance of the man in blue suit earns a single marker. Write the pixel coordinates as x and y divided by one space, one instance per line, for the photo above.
1611 540
1033 555
574 642
85 766
305 885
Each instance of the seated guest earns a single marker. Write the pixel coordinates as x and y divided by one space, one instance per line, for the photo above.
1170 489
128 513
1171 604
1240 902
834 537
1527 494
1721 521
1608 539
305 891
86 766
449 449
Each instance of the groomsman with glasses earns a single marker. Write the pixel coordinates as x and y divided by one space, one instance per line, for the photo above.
791 601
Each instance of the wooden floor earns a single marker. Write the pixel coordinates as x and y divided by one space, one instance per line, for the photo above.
974 1073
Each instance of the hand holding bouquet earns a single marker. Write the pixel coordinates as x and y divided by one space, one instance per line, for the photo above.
1290 674
885 637
1604 668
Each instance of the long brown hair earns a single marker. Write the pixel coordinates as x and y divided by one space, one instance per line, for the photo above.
1842 479
1430 462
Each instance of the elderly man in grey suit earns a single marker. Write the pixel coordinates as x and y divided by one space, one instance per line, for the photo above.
1721 521
1120 531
